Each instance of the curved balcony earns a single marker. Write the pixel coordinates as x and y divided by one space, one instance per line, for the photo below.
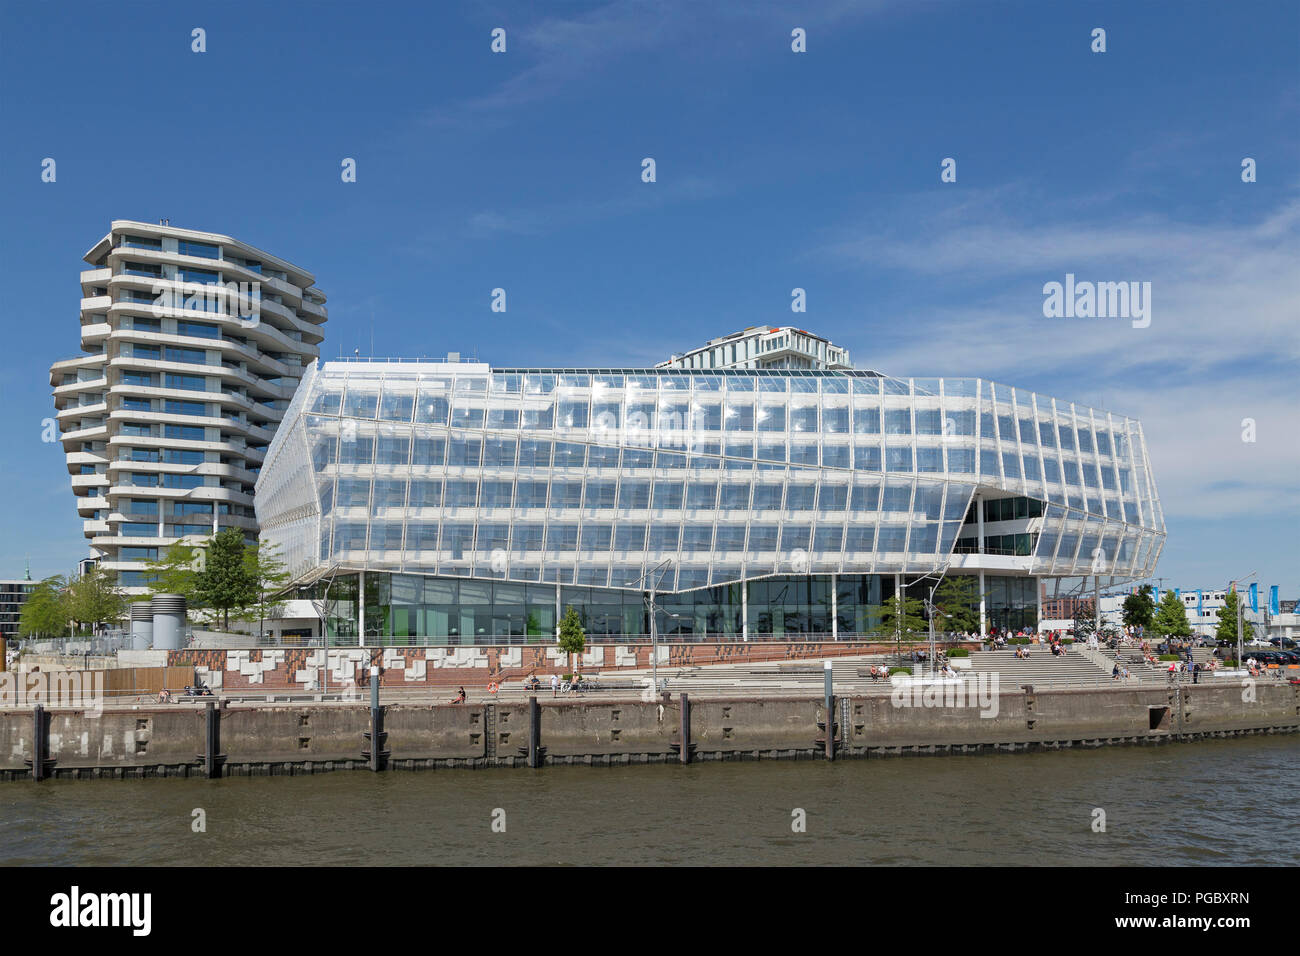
76 459
76 412
75 388
93 433
314 310
212 469
94 360
96 333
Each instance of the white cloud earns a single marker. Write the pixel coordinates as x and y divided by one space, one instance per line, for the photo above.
1222 346
563 52
490 223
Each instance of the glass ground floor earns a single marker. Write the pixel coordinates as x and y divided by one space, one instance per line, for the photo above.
417 609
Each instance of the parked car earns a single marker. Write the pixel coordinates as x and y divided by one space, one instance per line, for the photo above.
1273 657
1259 657
1284 642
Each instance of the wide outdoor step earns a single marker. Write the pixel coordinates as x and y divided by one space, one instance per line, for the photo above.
1040 669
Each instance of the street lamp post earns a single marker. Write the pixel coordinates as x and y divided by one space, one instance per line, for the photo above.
1232 586
654 628
322 610
929 607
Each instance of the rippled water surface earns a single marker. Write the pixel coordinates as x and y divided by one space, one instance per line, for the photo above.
1217 802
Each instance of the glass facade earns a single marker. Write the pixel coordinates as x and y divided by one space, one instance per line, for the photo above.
419 609
594 479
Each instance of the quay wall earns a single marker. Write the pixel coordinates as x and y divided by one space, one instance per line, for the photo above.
290 738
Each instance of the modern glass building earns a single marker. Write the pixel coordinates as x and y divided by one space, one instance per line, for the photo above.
447 502
13 594
193 343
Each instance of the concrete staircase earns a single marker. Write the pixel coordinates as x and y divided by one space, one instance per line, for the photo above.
1074 669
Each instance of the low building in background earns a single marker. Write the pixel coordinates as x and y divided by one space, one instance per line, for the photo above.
1202 606
764 346
12 596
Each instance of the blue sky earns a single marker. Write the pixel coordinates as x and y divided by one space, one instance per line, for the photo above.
775 170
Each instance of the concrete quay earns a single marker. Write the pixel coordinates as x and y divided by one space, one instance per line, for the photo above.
210 738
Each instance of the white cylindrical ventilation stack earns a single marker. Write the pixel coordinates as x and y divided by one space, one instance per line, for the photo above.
141 625
168 621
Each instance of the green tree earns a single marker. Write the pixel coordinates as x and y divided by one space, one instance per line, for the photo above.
1171 617
45 612
94 598
573 639
1085 620
269 577
958 601
1139 608
177 571
225 584
900 614
1227 629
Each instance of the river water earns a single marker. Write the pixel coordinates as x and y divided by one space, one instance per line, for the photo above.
1223 802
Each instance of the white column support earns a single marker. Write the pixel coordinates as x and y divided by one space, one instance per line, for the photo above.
984 621
744 610
361 609
1038 593
835 607
898 591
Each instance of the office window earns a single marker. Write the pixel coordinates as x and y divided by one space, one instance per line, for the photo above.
188 247
193 383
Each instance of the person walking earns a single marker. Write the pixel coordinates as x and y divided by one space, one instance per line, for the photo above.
555 685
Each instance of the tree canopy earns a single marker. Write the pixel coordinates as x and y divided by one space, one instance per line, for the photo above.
45 612
1139 608
1171 618
225 584
958 601
85 600
1227 629
176 572
901 614
94 598
573 638
223 577
269 576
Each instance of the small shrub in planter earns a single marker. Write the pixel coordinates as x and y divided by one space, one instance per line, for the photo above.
1018 640
900 670
1168 657
959 652
1067 640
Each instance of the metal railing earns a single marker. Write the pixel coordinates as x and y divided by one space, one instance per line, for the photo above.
99 645
704 637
